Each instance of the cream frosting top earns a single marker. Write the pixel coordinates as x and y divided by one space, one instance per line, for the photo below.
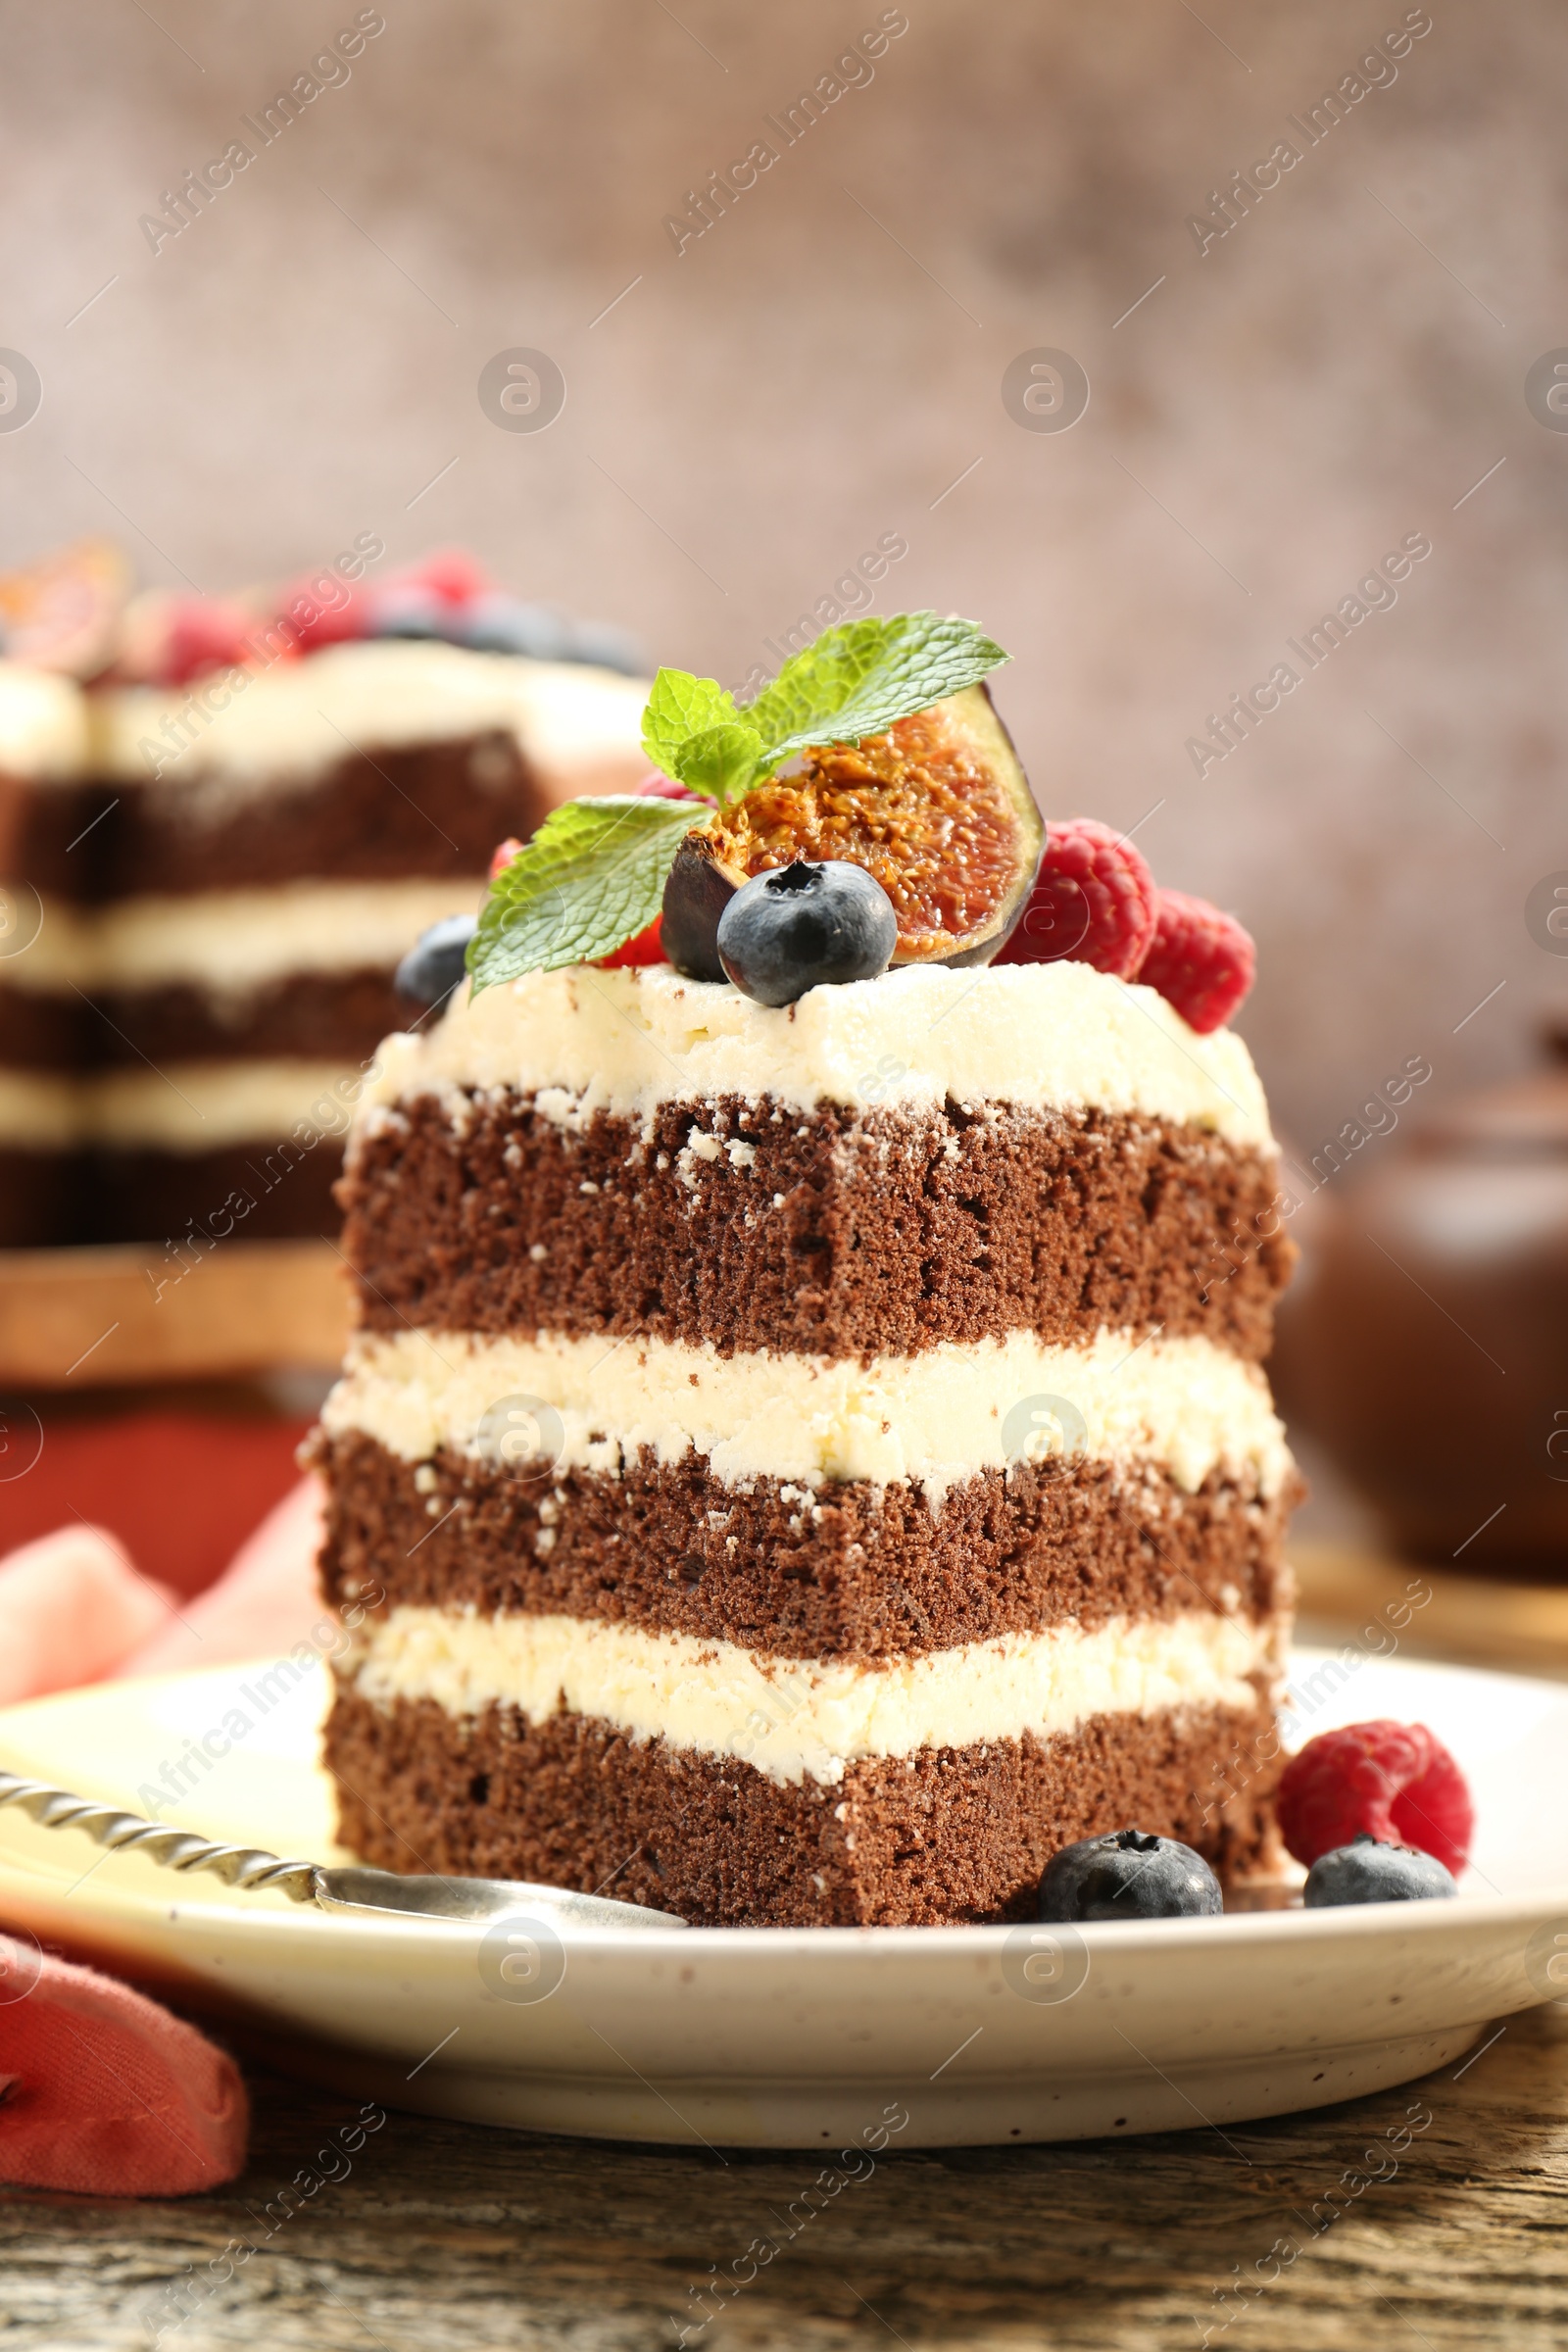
43 725
1042 1036
252 729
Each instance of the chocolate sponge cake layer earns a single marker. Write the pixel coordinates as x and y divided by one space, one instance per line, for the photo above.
428 809
311 1014
52 833
260 1192
854 1572
943 1836
840 1230
40 1198
40 1031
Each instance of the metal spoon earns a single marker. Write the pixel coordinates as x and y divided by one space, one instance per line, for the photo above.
353 1889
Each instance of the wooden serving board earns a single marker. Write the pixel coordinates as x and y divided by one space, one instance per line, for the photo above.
99 1317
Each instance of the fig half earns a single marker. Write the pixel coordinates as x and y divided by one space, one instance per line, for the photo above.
938 808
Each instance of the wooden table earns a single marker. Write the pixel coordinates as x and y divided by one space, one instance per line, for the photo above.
449 2235
446 2235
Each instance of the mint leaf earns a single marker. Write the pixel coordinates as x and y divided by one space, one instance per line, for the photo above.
856 680
592 877
722 762
679 708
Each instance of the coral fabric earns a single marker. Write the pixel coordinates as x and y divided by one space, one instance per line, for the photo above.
101 2090
71 1606
265 1601
107 2094
180 1490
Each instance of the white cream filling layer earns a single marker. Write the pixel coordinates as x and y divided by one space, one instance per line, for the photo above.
799 1718
1040 1035
204 1105
38 1113
232 943
934 1419
43 724
238 940
580 727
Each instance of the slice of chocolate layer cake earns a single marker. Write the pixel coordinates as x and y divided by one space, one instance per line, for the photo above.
805 1458
811 1467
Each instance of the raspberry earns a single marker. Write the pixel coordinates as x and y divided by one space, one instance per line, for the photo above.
504 853
1094 901
1392 1780
647 948
449 575
321 611
1200 960
176 639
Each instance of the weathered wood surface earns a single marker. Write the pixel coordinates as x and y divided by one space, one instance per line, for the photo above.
449 2235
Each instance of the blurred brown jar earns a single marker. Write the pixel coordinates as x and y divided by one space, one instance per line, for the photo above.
1429 1347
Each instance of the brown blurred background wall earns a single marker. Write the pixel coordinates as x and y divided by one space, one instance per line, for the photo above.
824 367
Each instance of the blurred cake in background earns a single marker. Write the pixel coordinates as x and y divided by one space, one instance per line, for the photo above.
218 850
44 802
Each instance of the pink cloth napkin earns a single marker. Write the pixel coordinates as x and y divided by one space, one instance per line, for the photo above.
101 2090
73 1608
104 2092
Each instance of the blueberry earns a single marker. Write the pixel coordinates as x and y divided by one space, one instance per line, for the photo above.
1128 1875
807 926
498 624
434 965
608 648
1367 1871
407 613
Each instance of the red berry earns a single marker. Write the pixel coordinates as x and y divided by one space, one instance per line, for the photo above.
1394 1779
1094 901
505 851
313 622
1200 960
449 575
647 948
198 634
664 788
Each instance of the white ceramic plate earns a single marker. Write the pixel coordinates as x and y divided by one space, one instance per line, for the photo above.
823 2037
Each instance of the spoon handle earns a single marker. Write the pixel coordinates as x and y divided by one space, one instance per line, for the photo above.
245 1866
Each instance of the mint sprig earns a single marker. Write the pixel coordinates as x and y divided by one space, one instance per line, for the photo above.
857 680
594 874
592 877
853 681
